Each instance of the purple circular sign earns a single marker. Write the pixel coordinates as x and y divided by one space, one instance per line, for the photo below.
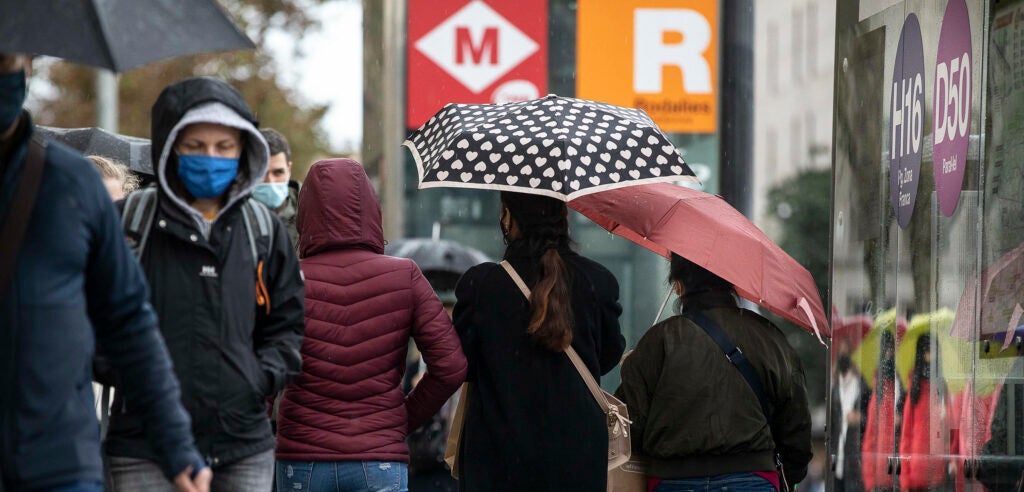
952 110
906 120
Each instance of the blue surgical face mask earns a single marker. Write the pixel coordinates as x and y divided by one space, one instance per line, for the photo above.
206 176
271 194
12 97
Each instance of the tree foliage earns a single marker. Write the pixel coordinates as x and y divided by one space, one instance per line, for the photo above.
253 73
802 205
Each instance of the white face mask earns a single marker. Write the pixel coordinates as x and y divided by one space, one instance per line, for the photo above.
271 194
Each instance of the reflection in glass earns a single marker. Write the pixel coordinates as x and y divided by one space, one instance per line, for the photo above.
1001 463
885 408
850 397
922 443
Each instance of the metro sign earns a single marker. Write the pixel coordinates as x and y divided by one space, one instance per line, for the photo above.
474 52
486 46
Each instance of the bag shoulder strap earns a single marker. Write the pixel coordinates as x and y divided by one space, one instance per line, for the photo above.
137 217
581 368
258 224
736 357
20 211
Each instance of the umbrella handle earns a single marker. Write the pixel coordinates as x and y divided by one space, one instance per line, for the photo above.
806 306
668 295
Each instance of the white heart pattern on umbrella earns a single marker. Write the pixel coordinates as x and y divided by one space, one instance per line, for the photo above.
561 145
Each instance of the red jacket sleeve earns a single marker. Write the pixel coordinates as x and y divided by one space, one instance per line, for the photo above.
441 351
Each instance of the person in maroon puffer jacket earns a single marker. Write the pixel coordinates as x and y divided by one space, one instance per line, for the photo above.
342 424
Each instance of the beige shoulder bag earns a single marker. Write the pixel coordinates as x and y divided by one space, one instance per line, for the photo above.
617 417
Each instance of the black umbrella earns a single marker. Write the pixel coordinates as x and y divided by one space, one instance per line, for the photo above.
117 34
132 151
437 254
554 146
442 261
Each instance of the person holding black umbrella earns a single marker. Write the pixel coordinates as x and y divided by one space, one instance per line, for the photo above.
530 421
68 281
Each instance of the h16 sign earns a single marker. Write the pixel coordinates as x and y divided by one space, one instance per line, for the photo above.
906 120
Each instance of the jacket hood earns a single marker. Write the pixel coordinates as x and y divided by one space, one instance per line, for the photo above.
338 209
206 100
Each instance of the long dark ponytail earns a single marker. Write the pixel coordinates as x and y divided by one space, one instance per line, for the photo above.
541 228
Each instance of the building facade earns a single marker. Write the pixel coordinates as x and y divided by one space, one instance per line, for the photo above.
793 79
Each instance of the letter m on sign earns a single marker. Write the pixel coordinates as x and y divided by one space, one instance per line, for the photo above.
488 45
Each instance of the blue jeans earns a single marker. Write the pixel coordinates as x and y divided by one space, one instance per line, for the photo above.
730 481
342 476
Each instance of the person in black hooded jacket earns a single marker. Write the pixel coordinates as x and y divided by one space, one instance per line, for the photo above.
531 423
233 329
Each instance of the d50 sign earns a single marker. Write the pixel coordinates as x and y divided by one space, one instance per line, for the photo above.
952 110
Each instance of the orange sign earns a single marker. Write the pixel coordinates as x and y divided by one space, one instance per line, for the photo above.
660 56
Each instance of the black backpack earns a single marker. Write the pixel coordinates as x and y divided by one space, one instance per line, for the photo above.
140 208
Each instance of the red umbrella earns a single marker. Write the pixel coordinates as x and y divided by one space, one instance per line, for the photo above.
706 230
853 329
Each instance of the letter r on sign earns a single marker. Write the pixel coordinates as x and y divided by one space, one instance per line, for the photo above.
651 53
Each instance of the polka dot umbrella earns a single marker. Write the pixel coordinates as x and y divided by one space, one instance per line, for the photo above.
554 146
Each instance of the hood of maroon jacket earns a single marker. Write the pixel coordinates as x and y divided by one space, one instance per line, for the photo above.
338 209
362 307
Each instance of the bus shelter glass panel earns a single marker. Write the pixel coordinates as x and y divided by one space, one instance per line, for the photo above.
864 292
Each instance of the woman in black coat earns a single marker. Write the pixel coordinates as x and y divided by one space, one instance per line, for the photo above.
530 422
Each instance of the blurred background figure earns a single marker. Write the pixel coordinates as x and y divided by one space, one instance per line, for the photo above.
884 414
927 354
442 263
117 178
119 182
850 397
278 191
922 442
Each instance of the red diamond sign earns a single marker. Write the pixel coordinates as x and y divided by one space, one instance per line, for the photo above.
474 52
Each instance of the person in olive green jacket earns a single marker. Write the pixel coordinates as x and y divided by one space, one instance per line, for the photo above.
695 416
